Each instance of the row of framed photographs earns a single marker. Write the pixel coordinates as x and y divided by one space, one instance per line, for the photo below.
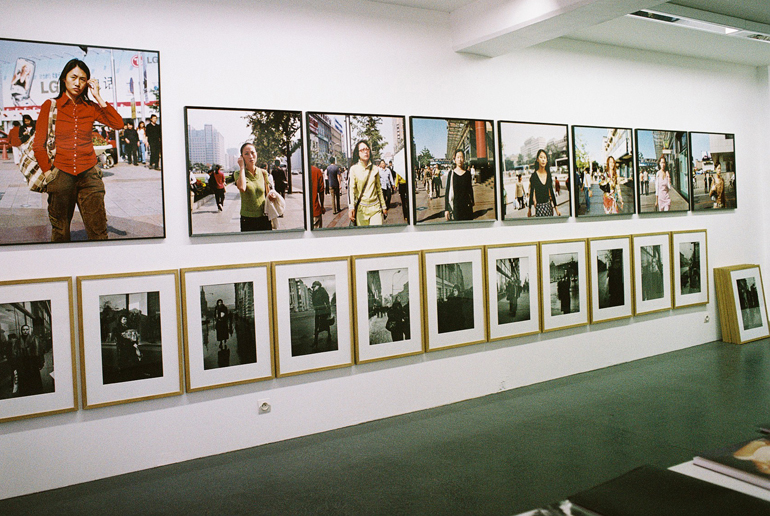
453 174
244 323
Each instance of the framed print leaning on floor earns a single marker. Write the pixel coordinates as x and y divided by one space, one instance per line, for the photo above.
691 279
37 345
652 273
129 337
227 314
564 287
388 306
742 309
454 297
612 293
513 290
312 315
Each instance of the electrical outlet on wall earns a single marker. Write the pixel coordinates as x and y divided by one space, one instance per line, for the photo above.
264 405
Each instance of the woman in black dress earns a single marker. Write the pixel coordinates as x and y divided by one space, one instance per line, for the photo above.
541 188
458 200
220 318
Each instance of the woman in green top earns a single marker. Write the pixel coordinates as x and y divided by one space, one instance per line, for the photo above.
253 184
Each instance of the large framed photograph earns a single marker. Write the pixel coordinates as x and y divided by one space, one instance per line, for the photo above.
742 308
388 306
453 166
357 173
652 273
564 288
690 252
535 170
513 290
604 165
130 330
228 337
121 160
612 292
37 348
267 146
454 297
312 313
713 171
663 166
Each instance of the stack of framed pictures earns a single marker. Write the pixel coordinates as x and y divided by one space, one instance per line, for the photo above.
741 300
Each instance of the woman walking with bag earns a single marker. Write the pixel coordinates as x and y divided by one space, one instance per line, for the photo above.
369 207
253 184
76 180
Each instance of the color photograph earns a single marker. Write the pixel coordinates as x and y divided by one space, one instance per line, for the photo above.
713 171
44 89
535 170
604 171
245 170
663 164
358 173
453 170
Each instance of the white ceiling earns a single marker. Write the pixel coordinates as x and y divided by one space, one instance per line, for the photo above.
484 33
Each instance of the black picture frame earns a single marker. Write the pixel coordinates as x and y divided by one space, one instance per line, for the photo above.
651 145
721 151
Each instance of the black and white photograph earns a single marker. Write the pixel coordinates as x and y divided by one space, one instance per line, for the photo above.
227 325
747 317
245 170
713 171
564 285
119 150
313 315
611 278
455 305
751 314
690 275
453 170
454 294
228 321
663 165
604 171
130 329
514 302
312 306
652 272
131 337
535 170
388 301
358 173
36 334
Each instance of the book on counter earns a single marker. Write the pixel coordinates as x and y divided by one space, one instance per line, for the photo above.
652 491
748 461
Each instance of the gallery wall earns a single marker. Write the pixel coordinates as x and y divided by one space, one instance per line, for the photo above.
354 56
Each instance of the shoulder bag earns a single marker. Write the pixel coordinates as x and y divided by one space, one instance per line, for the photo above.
36 178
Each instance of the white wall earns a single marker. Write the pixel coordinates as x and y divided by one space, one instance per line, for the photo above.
361 57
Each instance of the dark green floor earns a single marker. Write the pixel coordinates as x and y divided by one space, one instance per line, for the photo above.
501 454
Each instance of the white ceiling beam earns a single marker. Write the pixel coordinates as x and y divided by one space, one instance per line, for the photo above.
495 27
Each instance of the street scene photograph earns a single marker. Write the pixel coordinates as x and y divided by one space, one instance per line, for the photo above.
751 314
454 296
663 164
604 171
713 171
564 283
312 315
689 268
357 170
227 324
263 146
521 144
652 272
119 153
26 349
609 264
131 337
512 290
388 303
453 170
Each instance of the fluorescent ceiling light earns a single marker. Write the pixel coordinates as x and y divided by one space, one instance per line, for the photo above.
690 23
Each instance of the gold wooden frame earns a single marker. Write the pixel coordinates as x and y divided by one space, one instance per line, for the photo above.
277 325
83 358
546 301
420 300
637 287
481 292
533 311
675 269
630 269
729 312
71 405
185 317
